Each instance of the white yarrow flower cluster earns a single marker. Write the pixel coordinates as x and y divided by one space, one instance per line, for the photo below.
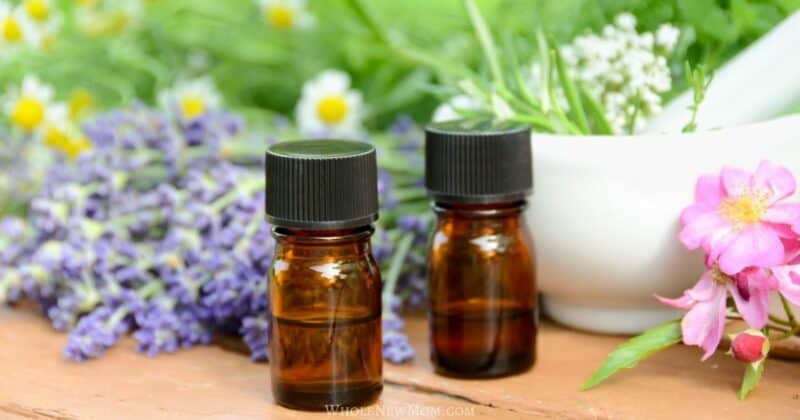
621 67
329 106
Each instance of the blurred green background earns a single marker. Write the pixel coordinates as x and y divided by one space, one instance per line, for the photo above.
386 46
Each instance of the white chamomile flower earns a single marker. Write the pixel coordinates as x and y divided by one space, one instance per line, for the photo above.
286 14
191 99
39 11
329 106
30 106
16 28
43 17
102 17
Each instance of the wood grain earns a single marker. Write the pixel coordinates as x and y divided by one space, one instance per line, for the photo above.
214 383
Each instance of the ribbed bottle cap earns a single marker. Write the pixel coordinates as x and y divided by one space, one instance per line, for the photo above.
478 161
321 184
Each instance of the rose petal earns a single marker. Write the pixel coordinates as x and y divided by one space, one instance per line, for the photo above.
774 178
787 214
703 324
700 227
735 181
753 304
791 247
709 191
756 246
704 289
788 282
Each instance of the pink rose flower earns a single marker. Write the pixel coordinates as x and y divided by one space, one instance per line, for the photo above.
738 219
704 322
786 280
750 346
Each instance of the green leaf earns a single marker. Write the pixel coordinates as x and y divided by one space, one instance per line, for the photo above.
487 43
575 104
752 375
521 84
631 352
595 110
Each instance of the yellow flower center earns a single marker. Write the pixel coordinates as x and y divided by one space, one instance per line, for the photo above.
77 146
745 209
332 109
80 101
28 113
38 9
280 16
192 106
60 140
55 138
12 31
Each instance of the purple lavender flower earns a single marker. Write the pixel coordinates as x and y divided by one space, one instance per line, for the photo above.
96 332
154 233
255 332
396 347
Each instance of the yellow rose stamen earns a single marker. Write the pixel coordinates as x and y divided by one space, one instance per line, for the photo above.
332 109
28 113
192 106
280 16
12 31
39 10
745 209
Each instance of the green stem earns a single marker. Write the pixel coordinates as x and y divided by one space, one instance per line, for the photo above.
780 321
368 19
399 257
486 41
788 309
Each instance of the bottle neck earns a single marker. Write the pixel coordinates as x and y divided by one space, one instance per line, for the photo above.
323 236
501 210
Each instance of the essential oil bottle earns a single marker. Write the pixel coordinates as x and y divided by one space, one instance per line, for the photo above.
324 284
481 271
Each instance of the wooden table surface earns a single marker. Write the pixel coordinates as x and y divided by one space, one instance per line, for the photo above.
213 383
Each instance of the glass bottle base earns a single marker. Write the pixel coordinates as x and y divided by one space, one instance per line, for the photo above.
465 368
324 397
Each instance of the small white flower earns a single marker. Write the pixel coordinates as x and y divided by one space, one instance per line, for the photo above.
451 110
621 68
329 106
286 14
16 29
191 99
625 21
667 37
31 106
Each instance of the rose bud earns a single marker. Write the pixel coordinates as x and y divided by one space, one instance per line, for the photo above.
750 346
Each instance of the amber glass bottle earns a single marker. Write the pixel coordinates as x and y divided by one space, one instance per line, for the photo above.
481 268
324 284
